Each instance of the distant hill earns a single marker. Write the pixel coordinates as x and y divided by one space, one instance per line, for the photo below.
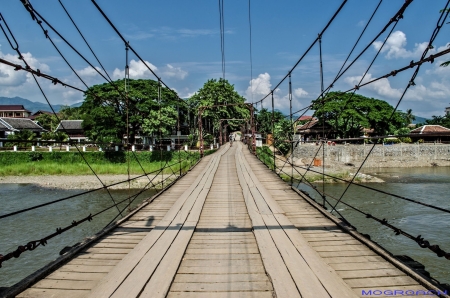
419 120
33 106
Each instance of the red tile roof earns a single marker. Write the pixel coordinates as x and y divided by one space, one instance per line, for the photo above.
13 108
430 129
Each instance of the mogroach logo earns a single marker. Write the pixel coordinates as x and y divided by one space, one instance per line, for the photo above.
402 292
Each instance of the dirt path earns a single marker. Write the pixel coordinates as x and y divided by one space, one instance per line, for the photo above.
78 182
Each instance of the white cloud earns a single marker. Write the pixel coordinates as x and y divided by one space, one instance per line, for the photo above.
138 70
299 92
11 77
419 92
381 87
395 47
261 86
89 71
173 72
140 35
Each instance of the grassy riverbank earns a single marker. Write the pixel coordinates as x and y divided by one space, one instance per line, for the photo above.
74 163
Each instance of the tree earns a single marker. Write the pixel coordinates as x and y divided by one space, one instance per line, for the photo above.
160 122
218 92
107 107
264 120
23 135
47 121
349 113
409 117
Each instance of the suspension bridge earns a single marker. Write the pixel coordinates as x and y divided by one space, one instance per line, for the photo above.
229 226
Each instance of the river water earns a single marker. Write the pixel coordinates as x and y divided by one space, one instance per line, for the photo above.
429 185
36 224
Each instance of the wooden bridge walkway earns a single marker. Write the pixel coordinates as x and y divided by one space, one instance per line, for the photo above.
229 228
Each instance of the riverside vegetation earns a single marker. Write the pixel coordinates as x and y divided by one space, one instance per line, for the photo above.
74 163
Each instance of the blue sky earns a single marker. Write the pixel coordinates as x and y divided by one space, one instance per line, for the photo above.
180 40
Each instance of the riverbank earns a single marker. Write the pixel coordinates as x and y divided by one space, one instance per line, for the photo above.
381 156
81 181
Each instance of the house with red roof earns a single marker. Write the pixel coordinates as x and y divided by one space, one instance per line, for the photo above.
430 133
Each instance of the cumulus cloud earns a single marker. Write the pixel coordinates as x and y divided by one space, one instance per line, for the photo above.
299 92
261 86
419 92
381 87
138 70
89 71
10 77
170 71
395 47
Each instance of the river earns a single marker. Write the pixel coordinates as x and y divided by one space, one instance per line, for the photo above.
429 185
36 224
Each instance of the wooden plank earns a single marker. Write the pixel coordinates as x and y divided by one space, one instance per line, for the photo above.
361 259
370 273
221 270
84 268
65 284
362 266
221 256
52 293
222 287
255 294
219 262
76 275
376 282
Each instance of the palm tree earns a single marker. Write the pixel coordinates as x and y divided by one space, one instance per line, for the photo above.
409 117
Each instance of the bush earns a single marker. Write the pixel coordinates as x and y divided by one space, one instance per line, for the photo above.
34 156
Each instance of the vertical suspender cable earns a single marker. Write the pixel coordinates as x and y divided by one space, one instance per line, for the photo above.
293 129
251 56
323 122
273 133
127 77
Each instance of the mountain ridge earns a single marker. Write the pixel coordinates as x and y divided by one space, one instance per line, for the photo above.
33 106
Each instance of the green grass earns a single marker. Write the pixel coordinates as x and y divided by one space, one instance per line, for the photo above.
55 168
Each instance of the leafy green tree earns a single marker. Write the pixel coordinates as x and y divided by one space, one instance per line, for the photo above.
264 120
217 92
23 135
105 109
160 122
348 114
283 131
48 122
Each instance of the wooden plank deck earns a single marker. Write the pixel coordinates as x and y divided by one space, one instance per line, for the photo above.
229 228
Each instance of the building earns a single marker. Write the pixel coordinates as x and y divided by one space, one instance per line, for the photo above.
12 125
430 133
312 130
38 113
73 128
14 111
447 111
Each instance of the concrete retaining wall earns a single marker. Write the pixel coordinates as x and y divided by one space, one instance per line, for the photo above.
398 155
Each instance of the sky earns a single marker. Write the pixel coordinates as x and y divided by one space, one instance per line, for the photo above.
180 41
